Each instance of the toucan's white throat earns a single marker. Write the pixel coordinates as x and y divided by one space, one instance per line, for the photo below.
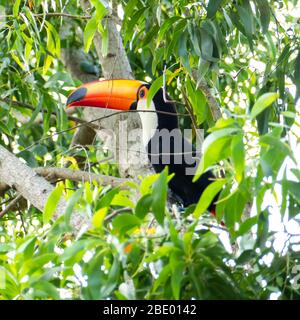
149 120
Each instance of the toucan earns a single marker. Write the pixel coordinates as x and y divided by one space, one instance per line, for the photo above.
162 139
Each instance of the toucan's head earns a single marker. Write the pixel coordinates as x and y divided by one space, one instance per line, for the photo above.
121 94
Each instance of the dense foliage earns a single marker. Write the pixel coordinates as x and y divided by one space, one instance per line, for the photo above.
248 53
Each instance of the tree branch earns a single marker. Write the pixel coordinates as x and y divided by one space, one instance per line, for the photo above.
50 14
211 101
51 173
33 187
11 205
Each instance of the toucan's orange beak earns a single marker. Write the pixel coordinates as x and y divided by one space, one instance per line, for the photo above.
112 94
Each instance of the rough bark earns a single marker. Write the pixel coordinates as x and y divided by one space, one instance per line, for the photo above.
33 187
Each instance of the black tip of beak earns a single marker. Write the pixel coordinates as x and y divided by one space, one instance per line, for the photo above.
77 95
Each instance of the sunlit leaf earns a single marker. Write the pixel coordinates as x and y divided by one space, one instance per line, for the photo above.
262 103
52 202
89 33
159 196
207 196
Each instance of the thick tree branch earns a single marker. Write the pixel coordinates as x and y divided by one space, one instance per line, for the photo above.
33 187
52 173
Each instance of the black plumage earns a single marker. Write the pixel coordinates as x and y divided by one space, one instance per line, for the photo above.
180 156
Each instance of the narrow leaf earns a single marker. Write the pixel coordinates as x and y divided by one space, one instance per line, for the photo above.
262 103
52 203
207 196
16 8
159 196
89 33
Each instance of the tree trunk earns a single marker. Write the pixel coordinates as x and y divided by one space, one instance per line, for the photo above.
114 65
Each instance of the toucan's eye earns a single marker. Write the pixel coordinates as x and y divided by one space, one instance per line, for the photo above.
142 93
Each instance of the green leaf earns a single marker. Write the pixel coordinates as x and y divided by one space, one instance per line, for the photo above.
100 9
45 289
197 100
262 103
122 199
71 204
125 222
18 61
71 252
29 158
143 206
129 8
159 196
296 172
234 208
52 203
137 18
89 33
34 263
177 267
56 38
34 114
264 14
147 183
104 42
195 37
106 200
296 75
5 247
166 26
215 147
213 7
246 226
238 156
294 189
207 196
98 218
26 247
4 128
246 256
155 86
16 8
112 278
277 144
246 16
162 278
203 67
207 46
